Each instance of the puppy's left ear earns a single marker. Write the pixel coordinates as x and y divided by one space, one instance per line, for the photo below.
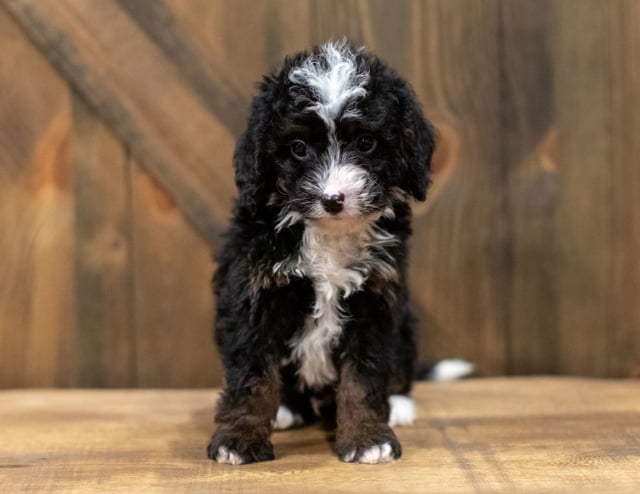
417 142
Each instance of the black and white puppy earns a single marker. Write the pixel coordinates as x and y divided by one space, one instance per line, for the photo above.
312 302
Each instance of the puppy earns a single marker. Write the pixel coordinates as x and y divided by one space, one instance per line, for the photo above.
312 302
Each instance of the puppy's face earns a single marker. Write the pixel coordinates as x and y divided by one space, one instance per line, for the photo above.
342 138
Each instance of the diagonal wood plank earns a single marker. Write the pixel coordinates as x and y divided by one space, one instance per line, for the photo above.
218 29
142 96
159 22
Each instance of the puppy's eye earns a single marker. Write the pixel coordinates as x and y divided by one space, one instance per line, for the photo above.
366 144
298 149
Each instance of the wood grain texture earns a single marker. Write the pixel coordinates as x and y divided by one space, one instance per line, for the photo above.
487 435
160 24
144 97
174 303
460 281
104 289
624 56
597 217
583 224
37 325
530 189
116 177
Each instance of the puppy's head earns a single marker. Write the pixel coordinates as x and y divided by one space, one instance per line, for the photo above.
334 137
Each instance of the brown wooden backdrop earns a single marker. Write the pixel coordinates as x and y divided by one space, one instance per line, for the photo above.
117 125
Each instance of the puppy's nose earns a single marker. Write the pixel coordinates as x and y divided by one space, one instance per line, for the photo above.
333 203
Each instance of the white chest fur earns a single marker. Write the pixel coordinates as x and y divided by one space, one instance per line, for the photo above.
338 265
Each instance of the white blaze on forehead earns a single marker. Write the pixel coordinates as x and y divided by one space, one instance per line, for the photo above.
336 83
334 79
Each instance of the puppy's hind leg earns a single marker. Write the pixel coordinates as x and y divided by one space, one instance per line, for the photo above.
295 409
402 407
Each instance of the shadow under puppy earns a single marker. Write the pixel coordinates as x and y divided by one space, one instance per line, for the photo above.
312 302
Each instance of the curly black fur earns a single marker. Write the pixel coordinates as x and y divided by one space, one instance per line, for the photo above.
267 293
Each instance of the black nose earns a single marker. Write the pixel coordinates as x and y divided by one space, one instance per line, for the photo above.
333 203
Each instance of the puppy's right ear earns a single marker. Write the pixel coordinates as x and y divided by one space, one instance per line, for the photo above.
252 162
245 164
252 169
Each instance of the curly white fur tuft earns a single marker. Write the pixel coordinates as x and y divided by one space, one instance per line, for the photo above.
334 79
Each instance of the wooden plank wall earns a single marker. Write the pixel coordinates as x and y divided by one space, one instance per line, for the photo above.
117 125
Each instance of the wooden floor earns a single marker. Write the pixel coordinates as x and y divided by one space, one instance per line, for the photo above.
485 435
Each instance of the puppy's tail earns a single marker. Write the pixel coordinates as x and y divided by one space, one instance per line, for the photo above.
445 370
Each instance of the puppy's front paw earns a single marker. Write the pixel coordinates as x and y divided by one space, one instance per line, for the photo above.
224 455
236 451
378 453
378 448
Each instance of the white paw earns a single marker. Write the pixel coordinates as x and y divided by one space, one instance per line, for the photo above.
285 419
380 453
403 410
226 456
